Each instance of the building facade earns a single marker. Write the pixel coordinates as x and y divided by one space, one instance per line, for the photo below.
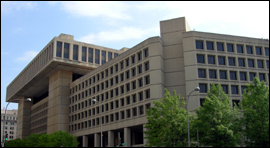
10 123
65 77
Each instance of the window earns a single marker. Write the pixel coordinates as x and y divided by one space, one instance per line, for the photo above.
211 59
116 91
111 105
230 48
106 106
141 110
241 62
234 89
134 110
122 89
200 58
66 50
75 52
249 49
111 93
140 69
260 63
107 84
107 119
116 67
134 85
116 116
221 60
261 76
233 75
103 57
111 70
133 59
203 88
252 76
243 76
258 50
243 89
122 65
140 96
220 47
84 54
122 76
250 63
235 102
139 56
134 98
90 55
59 49
147 94
116 104
231 61
122 102
122 115
266 51
212 74
146 53
146 65
201 73
225 88
116 79
202 101
267 64
128 87
134 72
210 45
199 44
111 81
109 56
127 62
240 49
115 55
107 72
222 74
128 113
140 82
147 80
97 53
127 74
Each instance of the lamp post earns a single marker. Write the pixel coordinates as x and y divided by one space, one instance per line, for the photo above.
28 99
94 100
196 89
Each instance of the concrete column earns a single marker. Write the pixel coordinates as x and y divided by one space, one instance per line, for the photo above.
111 138
85 141
145 140
127 136
97 140
24 118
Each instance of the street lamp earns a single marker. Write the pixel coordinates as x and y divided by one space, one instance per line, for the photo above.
28 99
196 89
94 100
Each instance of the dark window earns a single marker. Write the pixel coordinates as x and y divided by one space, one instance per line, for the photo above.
84 54
66 50
235 102
128 100
200 58
147 94
243 89
134 110
59 49
202 101
240 49
107 119
211 60
201 73
220 47
116 67
260 63
234 89
140 96
115 55
250 63
210 45
112 70
122 65
146 65
140 82
134 72
243 76
139 56
147 80
90 55
141 110
133 59
258 50
267 64
122 89
122 115
127 74
225 88
116 116
107 84
252 76
116 79
107 95
134 98
146 53
212 74
140 69
111 93
106 106
222 74
128 113
249 49
233 75
97 53
266 51
221 60
231 61
107 72
199 44
127 62
103 57
230 48
262 77
122 102
134 84
111 105
109 56
75 52
241 62
122 76
203 88
116 91
128 87
116 104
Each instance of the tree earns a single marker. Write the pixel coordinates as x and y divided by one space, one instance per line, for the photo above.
167 122
255 107
216 120
63 139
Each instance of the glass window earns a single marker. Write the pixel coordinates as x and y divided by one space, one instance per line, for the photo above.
133 59
127 62
241 62
211 59
230 48
202 101
235 102
225 88
233 75
90 55
103 57
267 64
210 45
147 93
109 56
266 51
200 58
134 98
221 60
140 82
249 49
212 74
97 54
134 72
243 76
115 55
234 89
252 76
116 67
141 96
201 73
59 49
258 50
199 44
243 89
84 54
250 63
66 50
232 61
240 49
128 100
260 63
261 76
139 56
222 74
134 84
127 74
146 53
220 47
122 65
140 69
147 80
203 88
75 52
146 65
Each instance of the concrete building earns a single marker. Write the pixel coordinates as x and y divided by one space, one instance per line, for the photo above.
66 75
10 123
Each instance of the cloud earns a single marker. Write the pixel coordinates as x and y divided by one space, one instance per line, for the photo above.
9 6
108 9
27 56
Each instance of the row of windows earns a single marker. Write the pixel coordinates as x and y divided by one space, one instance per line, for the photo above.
40 107
39 115
212 74
134 98
117 67
91 53
39 130
124 114
230 48
10 123
39 122
9 118
232 61
10 128
234 88
234 102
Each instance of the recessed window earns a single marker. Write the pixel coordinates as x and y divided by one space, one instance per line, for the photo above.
147 94
134 110
211 60
243 89
221 60
147 80
103 57
240 49
225 88
122 77
116 79
90 55
141 110
241 62
201 73
116 91
122 64
140 69
222 74
261 76
220 47
109 56
133 72
140 81
250 63
128 87
267 64
146 65
97 54
122 102
235 102
260 63
66 50
134 98
146 52
75 52
210 45
116 104
122 115
233 75
203 88
134 85
128 113
111 105
133 59
107 106
230 48
115 55
111 81
199 44
122 89
212 74
234 89
127 74
111 69
231 61
116 116
116 67
266 51
243 76
249 49
107 119
127 62
258 50
200 58
202 101
59 49
140 96
139 56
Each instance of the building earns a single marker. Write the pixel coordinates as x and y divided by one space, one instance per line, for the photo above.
10 125
67 75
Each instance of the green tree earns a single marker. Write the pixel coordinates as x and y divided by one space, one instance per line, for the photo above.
217 121
255 107
167 122
63 139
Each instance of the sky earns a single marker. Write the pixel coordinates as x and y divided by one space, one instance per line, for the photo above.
27 27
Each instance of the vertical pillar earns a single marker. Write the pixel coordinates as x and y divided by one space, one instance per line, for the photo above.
127 138
85 141
97 140
144 135
111 138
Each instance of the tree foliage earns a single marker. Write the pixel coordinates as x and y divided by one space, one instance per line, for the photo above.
217 121
56 139
167 122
